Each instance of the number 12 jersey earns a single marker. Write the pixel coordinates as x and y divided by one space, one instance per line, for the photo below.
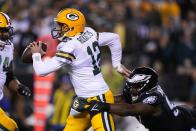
82 53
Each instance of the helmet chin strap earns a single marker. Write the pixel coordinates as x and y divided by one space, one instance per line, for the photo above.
62 37
70 29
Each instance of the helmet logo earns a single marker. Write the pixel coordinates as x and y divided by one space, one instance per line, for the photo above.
150 100
139 78
72 16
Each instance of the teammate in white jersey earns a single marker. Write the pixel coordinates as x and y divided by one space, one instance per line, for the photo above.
79 48
6 74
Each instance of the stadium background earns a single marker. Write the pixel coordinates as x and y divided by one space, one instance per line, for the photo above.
156 33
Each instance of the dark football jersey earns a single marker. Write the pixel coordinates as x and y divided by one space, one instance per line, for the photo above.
170 119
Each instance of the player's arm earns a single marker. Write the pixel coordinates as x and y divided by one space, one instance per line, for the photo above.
112 40
13 83
123 109
124 97
119 98
43 67
148 105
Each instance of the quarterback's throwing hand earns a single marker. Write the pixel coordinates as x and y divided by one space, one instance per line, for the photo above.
24 90
37 48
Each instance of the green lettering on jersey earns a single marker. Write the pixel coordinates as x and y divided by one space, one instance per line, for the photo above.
85 37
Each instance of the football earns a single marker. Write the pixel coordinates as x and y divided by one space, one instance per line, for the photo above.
27 55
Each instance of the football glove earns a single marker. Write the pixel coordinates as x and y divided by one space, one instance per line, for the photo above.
79 105
97 107
127 95
24 90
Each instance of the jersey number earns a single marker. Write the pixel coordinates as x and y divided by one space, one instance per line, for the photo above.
95 55
5 63
172 107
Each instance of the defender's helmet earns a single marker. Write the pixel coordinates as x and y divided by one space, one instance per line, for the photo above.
70 22
6 30
142 79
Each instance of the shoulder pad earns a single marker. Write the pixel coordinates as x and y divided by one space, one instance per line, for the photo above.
65 51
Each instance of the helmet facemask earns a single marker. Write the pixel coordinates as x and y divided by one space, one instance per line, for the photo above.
60 30
138 83
5 35
141 80
136 88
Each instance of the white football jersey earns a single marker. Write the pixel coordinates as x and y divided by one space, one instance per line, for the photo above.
6 56
82 53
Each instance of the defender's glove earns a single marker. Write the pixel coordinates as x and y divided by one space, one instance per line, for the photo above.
79 105
97 107
126 94
24 90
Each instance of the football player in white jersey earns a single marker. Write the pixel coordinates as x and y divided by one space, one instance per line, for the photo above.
79 48
6 73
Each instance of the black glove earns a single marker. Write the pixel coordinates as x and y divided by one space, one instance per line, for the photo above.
97 107
127 95
24 90
79 104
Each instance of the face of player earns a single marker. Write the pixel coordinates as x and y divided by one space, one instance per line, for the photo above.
5 33
59 30
135 88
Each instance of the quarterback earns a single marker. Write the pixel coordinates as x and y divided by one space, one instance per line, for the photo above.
79 48
6 73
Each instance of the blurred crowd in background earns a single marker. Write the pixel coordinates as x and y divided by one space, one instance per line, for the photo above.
156 33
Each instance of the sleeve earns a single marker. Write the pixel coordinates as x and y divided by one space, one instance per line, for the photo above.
43 68
65 53
153 99
112 40
10 74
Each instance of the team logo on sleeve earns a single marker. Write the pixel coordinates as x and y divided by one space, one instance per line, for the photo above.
72 16
150 100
